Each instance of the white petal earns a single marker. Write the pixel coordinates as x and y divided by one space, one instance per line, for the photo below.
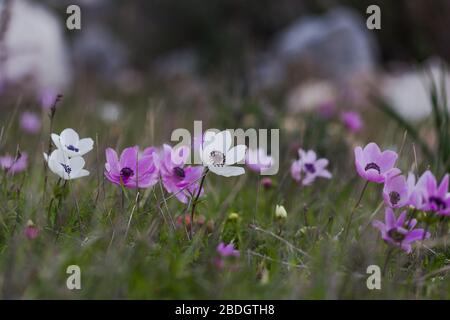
235 154
85 145
56 140
80 174
76 163
227 171
69 137
45 157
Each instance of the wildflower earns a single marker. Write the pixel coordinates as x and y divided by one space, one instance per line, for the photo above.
183 181
227 250
310 167
258 160
218 156
131 170
280 212
31 231
69 142
267 182
30 122
399 191
399 232
434 197
352 121
14 164
372 164
65 167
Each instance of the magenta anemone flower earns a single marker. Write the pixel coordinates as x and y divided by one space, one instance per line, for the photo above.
399 191
372 164
399 232
132 170
183 181
352 121
257 160
307 168
14 164
435 198
227 250
30 122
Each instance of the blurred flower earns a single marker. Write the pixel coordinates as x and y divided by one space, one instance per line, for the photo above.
227 250
183 181
307 168
435 198
14 164
218 155
352 121
372 164
47 98
65 167
327 109
132 170
30 122
400 233
310 96
267 182
69 142
110 112
258 160
280 212
31 231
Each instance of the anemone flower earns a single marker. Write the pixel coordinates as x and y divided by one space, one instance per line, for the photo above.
372 164
307 168
181 180
399 191
70 143
65 167
14 165
435 198
258 161
132 170
218 155
352 121
399 232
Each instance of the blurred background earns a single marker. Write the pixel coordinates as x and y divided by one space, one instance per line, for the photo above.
246 61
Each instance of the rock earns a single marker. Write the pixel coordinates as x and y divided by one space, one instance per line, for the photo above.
34 48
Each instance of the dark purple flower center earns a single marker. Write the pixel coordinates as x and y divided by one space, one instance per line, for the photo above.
437 203
179 172
396 235
394 197
126 173
310 167
72 148
67 169
373 166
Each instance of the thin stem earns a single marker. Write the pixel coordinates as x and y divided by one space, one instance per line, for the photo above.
386 261
194 203
354 209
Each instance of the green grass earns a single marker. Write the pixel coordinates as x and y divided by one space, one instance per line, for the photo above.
134 251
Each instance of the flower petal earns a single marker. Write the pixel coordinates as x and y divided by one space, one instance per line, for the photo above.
227 171
235 154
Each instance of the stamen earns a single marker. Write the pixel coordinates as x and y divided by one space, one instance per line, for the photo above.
310 168
126 172
373 166
72 148
217 158
438 203
179 172
394 197
396 235
67 169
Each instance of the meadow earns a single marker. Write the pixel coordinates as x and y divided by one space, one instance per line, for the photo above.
141 243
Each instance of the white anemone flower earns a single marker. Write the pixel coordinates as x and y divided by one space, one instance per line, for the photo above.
69 142
218 155
65 167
